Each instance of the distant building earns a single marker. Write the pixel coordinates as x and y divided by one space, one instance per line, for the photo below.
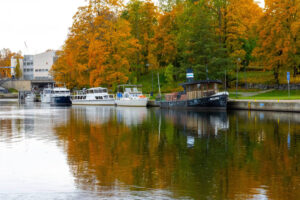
42 64
35 67
28 67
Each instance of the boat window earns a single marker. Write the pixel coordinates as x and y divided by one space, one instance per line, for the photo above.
111 96
126 95
105 90
84 97
128 90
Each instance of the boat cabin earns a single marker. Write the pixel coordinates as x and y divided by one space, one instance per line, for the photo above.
60 91
200 89
96 90
129 91
195 90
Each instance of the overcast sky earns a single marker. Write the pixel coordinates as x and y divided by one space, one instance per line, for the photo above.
41 24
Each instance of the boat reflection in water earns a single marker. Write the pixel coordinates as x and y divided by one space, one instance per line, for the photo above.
197 124
104 114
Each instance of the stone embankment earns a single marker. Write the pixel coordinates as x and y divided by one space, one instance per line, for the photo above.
265 105
259 105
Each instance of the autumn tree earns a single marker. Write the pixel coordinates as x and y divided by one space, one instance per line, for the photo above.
18 71
279 31
164 42
5 58
99 48
142 16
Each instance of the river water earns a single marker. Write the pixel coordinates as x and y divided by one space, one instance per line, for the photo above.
90 152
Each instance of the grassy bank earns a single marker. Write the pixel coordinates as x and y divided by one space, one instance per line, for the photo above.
272 95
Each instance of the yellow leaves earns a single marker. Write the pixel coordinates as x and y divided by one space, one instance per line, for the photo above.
278 31
98 49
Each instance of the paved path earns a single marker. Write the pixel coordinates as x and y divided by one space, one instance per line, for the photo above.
250 94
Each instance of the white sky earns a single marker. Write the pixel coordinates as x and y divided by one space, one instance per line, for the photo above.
42 24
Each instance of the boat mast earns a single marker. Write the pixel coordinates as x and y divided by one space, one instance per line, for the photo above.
158 84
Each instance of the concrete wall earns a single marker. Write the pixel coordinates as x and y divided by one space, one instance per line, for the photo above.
18 85
272 105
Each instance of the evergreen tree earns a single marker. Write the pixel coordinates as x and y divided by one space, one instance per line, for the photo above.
18 69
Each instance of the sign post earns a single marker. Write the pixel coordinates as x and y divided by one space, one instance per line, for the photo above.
288 79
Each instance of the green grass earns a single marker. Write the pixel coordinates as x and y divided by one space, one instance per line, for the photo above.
273 95
12 90
233 90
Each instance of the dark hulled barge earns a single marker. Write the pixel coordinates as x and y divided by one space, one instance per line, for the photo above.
197 95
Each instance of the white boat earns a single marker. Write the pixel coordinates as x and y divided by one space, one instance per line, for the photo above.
60 96
93 96
131 97
46 95
30 97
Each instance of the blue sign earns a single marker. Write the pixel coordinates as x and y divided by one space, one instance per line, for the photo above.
189 74
7 67
288 76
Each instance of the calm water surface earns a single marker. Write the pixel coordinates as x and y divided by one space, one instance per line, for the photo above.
95 152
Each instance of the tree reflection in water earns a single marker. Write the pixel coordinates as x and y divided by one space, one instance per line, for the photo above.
197 155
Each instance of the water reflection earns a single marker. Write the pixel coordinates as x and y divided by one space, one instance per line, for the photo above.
139 153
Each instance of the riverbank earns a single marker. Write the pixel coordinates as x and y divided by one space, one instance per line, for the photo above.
9 96
258 105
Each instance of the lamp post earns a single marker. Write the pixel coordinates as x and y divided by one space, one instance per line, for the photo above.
237 76
147 66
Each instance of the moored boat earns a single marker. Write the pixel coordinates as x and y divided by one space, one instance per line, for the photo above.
203 94
131 96
197 94
93 96
30 97
60 97
46 95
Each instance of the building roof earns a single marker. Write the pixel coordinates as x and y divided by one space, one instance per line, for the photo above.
201 82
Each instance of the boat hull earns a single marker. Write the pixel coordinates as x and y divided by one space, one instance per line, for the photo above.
94 102
132 103
61 101
212 102
46 99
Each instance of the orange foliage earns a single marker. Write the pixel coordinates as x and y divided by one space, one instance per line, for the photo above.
278 33
98 49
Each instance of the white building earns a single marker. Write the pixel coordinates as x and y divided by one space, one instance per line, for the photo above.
28 67
42 64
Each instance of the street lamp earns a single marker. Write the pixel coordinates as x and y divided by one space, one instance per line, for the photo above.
148 65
